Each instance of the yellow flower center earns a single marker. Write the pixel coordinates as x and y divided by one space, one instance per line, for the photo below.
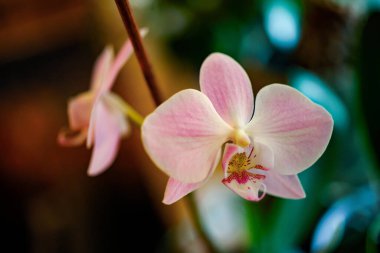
238 163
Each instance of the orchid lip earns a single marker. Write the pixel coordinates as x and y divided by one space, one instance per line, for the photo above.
242 163
245 176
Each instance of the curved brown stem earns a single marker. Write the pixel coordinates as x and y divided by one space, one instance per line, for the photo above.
134 35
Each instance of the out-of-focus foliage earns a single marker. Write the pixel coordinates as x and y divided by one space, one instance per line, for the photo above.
344 225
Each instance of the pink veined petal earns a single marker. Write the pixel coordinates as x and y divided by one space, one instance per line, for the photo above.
107 99
107 134
99 87
175 190
101 70
228 87
112 100
99 75
79 110
249 190
121 58
284 186
184 135
292 126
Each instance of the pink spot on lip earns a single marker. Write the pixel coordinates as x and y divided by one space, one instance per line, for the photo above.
258 176
260 167
243 177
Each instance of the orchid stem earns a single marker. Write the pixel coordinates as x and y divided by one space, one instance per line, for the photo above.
134 35
132 114
128 110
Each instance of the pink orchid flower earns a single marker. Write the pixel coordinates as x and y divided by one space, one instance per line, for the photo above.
98 114
184 136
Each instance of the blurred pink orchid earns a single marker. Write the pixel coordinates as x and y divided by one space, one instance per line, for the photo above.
184 136
98 114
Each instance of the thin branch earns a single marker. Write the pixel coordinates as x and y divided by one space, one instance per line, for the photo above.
134 35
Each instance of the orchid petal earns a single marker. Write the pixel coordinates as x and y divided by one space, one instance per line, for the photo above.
79 110
228 87
285 186
107 133
121 58
292 126
184 135
101 70
175 190
110 99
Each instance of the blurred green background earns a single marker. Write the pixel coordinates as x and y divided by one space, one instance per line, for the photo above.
327 49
